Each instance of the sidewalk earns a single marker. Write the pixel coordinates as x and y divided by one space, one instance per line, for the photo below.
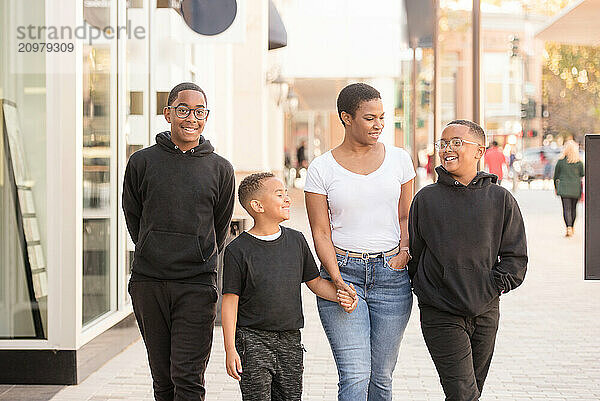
547 347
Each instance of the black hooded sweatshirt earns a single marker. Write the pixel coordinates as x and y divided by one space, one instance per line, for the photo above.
178 208
467 242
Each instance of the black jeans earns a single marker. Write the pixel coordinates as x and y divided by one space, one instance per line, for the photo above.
176 321
569 210
461 349
272 364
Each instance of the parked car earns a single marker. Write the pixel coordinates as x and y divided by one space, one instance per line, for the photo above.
530 165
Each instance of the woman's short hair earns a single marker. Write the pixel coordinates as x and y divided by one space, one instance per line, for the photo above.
352 96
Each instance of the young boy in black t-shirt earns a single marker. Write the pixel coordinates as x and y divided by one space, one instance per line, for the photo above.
262 304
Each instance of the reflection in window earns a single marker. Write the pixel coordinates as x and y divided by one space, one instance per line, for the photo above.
493 92
96 269
23 277
22 309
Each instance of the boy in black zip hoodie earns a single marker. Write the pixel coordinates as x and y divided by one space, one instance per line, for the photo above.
178 198
468 246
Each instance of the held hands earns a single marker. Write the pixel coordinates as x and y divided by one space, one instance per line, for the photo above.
347 293
233 363
346 300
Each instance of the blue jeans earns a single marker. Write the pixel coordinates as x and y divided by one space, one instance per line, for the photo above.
365 343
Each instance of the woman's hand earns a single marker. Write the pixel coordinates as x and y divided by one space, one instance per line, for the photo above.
399 261
346 301
341 285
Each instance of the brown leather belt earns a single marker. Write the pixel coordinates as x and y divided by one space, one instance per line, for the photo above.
365 255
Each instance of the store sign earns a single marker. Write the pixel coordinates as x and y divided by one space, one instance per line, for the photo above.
220 21
209 17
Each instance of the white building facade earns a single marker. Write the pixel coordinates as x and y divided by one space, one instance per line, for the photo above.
71 116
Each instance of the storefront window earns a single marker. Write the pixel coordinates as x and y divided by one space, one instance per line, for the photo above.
99 99
402 108
424 106
455 37
23 276
448 91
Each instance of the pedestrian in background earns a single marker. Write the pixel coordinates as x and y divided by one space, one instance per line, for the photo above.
567 183
468 243
301 161
178 198
546 169
357 198
495 161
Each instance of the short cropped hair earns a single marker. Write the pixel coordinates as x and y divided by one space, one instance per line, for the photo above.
474 128
250 185
184 86
352 96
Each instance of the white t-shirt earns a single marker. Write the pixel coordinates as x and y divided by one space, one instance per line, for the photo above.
363 209
271 237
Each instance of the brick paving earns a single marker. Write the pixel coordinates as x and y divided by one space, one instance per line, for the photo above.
548 345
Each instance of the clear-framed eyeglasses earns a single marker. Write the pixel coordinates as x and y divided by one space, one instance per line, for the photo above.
454 143
184 111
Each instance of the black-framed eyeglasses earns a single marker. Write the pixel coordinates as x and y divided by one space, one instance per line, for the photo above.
454 143
184 111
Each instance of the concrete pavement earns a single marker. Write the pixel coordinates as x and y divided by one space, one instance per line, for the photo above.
547 347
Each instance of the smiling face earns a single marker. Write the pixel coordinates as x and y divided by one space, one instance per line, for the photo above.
185 132
272 201
463 161
367 124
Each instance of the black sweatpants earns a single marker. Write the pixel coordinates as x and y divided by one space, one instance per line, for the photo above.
176 321
569 210
461 349
272 364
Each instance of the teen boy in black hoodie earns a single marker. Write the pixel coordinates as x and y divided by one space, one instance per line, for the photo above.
468 246
178 198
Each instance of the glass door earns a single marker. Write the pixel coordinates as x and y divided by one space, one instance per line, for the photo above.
99 137
136 114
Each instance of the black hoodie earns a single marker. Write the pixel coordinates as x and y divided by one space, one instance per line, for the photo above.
467 242
178 207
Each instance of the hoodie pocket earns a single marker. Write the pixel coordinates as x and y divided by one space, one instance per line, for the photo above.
471 286
163 248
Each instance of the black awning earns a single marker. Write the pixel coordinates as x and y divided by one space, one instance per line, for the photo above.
277 32
420 17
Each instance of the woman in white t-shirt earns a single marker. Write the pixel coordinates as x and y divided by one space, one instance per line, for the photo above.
358 197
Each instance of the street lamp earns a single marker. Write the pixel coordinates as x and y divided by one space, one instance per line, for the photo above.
292 99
